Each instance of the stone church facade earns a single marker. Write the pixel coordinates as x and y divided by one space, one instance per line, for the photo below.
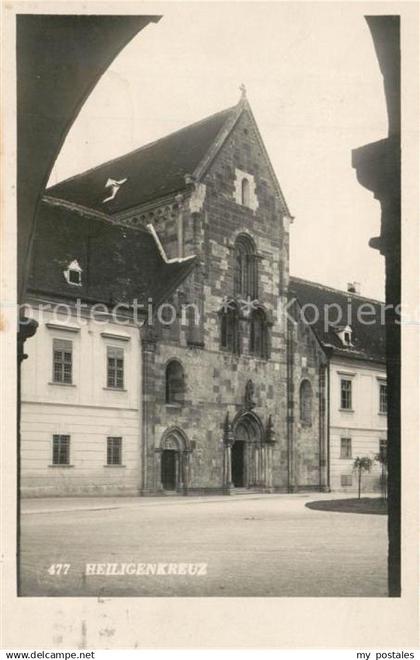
233 390
232 423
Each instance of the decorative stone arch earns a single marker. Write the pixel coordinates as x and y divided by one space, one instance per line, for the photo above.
173 464
251 421
175 438
247 451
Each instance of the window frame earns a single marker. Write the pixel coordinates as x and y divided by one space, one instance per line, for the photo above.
60 438
348 477
383 400
346 448
115 375
349 394
73 272
60 375
113 442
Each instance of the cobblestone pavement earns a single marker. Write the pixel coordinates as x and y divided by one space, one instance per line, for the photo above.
249 545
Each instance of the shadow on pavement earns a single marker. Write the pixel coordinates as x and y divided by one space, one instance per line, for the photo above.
376 505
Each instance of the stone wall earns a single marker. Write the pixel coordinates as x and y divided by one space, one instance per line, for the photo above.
307 362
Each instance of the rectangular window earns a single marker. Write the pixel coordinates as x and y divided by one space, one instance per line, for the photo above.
346 480
383 399
115 368
346 394
61 450
345 448
62 361
114 451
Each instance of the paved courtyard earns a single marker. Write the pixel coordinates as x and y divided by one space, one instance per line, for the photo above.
251 545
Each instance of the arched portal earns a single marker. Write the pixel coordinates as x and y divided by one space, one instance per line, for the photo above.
174 460
246 450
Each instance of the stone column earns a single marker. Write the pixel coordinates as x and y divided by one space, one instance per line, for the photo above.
179 471
269 468
158 469
185 459
263 450
269 443
227 443
228 466
256 479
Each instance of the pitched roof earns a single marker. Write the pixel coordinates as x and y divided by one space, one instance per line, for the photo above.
119 264
368 339
155 170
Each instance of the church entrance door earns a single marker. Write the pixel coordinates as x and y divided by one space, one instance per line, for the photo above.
238 464
168 469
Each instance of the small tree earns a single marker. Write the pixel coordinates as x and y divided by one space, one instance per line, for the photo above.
361 464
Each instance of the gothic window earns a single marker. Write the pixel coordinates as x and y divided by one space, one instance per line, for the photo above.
258 334
245 268
305 400
174 382
245 196
229 330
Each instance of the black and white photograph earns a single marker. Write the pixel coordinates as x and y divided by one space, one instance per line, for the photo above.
209 305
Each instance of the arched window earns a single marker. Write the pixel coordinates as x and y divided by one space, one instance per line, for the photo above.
245 268
229 330
305 399
258 334
245 192
174 381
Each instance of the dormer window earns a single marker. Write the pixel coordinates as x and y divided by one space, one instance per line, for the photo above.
346 336
73 273
344 333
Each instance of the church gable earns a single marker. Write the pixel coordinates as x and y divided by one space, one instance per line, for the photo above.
241 171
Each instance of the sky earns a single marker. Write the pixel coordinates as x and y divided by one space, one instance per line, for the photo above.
316 91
